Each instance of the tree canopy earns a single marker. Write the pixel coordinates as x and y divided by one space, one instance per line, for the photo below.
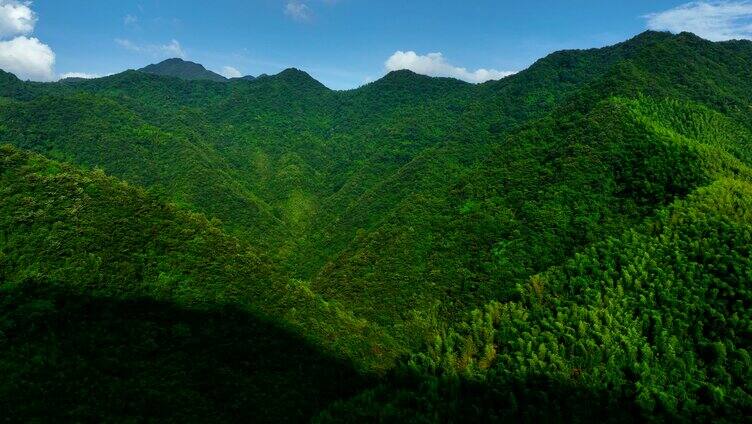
570 243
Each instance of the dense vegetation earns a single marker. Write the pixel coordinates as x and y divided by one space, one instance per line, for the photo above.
97 236
569 243
652 325
68 357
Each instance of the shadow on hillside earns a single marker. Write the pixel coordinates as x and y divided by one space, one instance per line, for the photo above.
536 399
68 357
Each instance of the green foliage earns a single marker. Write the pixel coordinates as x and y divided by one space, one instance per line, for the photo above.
77 358
101 237
653 325
570 243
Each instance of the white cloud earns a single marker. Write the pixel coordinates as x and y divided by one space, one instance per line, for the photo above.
230 72
434 64
130 20
715 21
16 18
28 59
83 75
298 11
171 49
128 45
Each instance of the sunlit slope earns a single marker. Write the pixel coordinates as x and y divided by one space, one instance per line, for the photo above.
177 164
651 325
548 191
432 193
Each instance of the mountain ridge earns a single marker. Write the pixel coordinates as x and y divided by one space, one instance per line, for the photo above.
187 70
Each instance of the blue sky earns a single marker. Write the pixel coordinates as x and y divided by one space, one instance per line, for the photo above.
342 43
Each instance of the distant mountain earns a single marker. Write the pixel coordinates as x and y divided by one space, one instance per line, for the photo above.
247 78
72 79
183 69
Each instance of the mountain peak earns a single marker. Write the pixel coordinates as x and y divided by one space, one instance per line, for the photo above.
402 73
183 69
176 60
297 77
11 85
651 37
407 79
295 73
7 76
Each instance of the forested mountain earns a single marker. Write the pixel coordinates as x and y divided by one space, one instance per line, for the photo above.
568 243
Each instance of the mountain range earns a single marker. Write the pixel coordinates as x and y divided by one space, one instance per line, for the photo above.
570 243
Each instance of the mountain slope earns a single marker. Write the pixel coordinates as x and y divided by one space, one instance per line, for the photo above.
99 132
524 208
382 188
550 190
467 228
97 236
651 326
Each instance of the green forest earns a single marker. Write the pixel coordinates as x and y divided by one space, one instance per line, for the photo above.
572 243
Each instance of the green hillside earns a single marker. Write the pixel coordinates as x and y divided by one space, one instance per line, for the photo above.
570 243
552 188
653 325
97 236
